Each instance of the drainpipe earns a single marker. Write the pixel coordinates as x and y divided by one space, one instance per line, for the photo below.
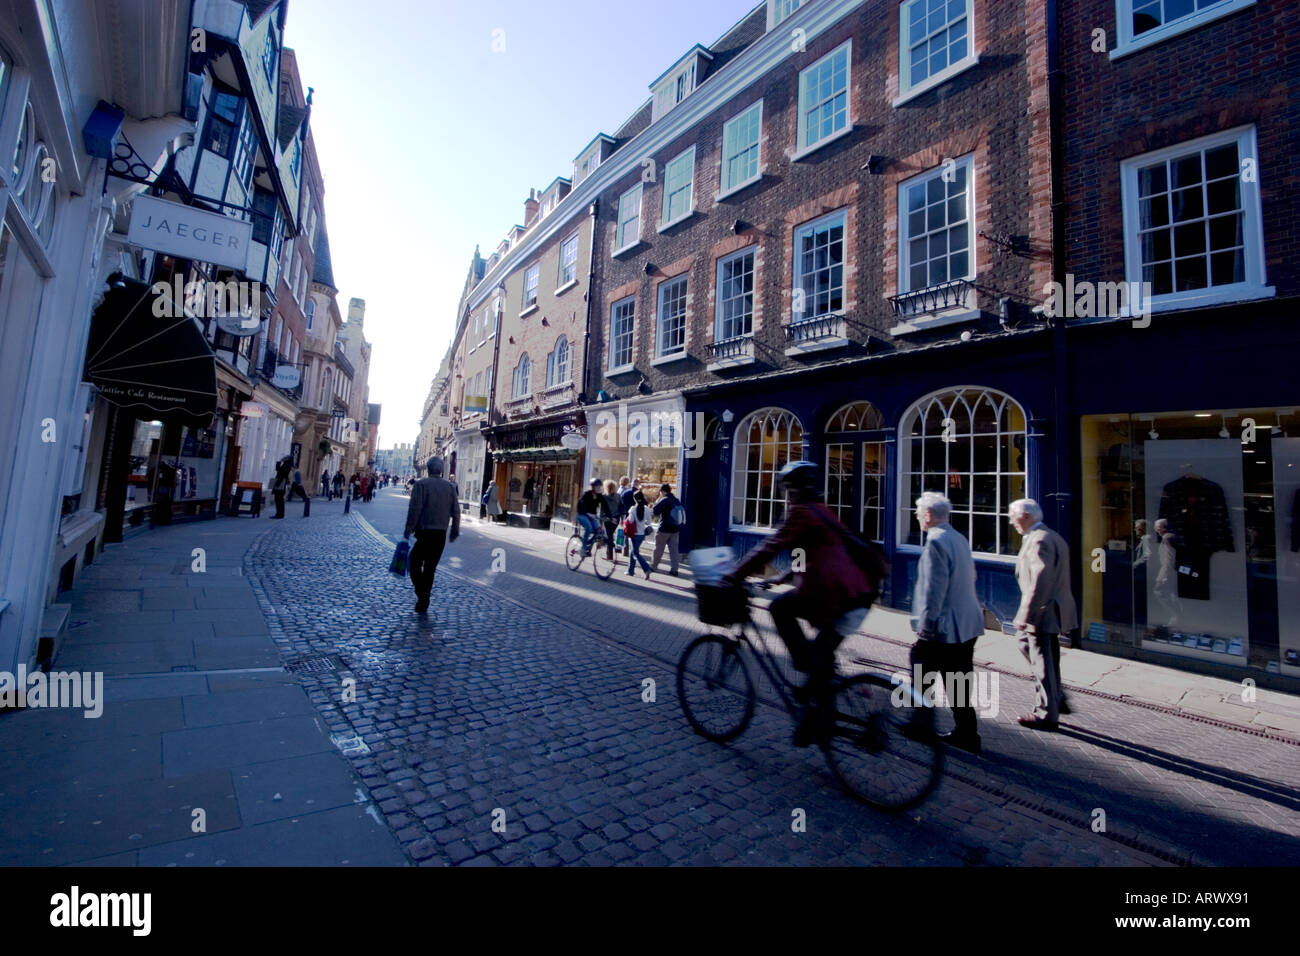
1064 438
591 287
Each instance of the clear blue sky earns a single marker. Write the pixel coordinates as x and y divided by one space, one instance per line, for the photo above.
429 141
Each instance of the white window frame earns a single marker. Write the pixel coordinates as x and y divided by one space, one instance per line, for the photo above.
620 236
567 280
908 89
804 229
752 252
532 279
804 145
631 335
967 163
740 470
558 365
684 158
664 286
725 187
778 11
971 396
675 88
1255 284
1126 42
310 312
523 377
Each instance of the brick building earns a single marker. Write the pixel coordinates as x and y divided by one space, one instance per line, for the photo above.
1179 153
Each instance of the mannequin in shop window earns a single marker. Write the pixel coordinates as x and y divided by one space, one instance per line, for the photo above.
1197 515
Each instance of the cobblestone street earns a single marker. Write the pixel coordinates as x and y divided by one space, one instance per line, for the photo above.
521 693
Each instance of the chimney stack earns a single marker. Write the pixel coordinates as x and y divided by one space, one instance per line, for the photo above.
530 208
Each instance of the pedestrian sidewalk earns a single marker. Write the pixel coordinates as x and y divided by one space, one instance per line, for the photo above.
207 752
1142 683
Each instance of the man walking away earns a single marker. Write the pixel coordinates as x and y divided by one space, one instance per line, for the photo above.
325 484
670 513
281 485
434 505
1046 608
297 485
948 618
338 484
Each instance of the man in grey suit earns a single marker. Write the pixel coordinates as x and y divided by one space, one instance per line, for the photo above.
948 616
1046 608
434 505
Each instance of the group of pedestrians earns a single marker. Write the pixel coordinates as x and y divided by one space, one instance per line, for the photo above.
947 619
625 506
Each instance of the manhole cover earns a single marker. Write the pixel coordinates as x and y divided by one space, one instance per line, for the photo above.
316 665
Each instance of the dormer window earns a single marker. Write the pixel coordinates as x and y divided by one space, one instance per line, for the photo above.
779 10
679 82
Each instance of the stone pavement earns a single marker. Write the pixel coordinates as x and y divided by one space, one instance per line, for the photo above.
1185 788
519 700
199 714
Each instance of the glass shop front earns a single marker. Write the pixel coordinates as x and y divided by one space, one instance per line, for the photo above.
1190 543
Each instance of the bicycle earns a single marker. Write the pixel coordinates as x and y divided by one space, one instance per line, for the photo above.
862 733
602 560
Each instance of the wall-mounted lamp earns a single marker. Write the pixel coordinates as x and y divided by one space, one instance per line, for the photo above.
728 416
649 269
875 165
544 322
739 226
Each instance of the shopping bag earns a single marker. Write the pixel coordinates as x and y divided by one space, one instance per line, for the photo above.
401 558
619 538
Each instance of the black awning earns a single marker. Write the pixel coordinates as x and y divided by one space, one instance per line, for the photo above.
163 367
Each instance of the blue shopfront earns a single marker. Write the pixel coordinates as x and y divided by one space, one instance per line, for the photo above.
972 420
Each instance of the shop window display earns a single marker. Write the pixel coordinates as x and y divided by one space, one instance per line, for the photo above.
1192 514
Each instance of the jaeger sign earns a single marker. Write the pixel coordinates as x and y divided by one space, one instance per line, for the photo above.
189 233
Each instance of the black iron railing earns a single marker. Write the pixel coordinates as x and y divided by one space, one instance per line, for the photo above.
937 298
738 346
812 330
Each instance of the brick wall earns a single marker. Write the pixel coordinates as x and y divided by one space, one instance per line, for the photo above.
995 110
1235 71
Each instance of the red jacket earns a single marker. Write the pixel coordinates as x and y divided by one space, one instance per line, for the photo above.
830 580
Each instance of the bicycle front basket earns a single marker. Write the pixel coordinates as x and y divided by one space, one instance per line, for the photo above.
723 606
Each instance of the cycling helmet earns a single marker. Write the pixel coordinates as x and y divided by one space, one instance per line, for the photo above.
801 474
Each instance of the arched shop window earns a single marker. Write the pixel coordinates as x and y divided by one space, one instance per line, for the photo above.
855 467
765 441
968 444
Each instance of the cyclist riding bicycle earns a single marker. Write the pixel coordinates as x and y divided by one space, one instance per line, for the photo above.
828 584
591 506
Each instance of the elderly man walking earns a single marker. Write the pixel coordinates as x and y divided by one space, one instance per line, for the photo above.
1046 608
434 505
948 619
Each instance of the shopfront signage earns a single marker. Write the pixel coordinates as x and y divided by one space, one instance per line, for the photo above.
254 409
475 403
286 376
188 232
573 440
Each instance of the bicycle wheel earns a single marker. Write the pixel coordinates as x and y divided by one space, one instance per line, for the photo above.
715 688
573 551
602 560
867 750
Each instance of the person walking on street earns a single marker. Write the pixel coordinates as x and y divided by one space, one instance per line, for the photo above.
493 501
325 484
1047 608
280 485
668 509
626 497
635 524
948 620
435 504
297 487
615 503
